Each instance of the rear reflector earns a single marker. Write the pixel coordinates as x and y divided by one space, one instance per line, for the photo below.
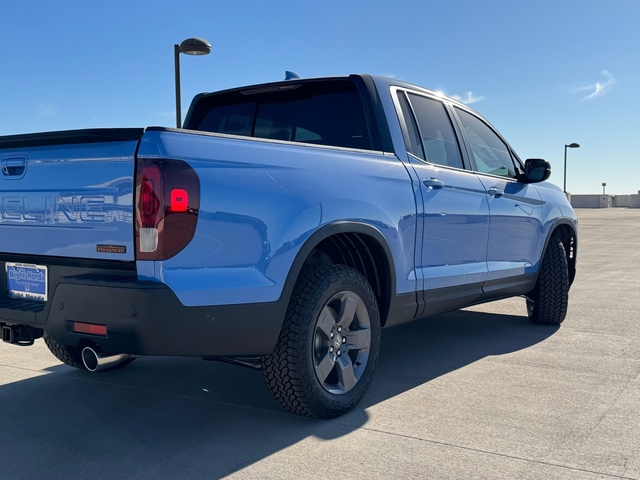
90 328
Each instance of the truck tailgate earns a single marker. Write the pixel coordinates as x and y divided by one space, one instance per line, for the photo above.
69 194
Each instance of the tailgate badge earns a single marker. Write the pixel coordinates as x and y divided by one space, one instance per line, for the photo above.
111 249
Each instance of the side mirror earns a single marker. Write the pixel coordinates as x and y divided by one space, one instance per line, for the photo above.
536 170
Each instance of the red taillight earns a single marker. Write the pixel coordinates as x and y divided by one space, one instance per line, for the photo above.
167 204
179 200
150 196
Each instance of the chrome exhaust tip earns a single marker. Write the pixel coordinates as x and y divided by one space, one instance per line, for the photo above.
95 361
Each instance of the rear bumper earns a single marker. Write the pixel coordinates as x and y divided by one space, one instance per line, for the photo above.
145 318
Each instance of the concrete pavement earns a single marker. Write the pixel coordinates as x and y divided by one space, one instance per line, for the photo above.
475 394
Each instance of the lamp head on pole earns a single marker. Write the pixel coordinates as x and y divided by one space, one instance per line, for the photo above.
195 46
573 145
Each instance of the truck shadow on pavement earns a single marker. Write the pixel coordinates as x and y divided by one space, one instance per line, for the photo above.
432 347
185 418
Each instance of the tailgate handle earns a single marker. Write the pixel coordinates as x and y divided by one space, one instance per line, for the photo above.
13 168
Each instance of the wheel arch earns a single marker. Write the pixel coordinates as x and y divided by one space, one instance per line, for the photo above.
566 231
357 245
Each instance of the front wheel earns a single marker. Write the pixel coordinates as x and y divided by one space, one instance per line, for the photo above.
328 348
548 301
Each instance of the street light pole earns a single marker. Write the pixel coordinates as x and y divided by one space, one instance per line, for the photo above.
191 46
176 56
571 145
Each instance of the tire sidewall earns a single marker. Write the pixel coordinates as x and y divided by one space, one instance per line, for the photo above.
337 282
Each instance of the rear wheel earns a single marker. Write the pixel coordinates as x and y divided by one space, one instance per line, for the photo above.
72 356
547 302
328 348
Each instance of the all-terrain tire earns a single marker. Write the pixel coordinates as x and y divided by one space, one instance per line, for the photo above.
547 302
328 348
72 356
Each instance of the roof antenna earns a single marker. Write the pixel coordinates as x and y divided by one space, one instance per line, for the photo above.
290 75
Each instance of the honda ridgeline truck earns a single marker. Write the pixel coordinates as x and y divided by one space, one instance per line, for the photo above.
282 228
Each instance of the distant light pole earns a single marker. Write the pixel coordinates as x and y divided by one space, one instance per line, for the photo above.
571 145
191 46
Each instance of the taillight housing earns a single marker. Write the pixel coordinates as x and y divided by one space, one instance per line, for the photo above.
167 205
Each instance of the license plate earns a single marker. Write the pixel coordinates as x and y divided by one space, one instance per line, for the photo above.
28 281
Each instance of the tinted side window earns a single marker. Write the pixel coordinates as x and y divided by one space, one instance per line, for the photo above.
412 140
438 137
490 153
323 113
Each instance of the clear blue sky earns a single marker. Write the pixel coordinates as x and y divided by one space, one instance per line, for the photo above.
544 73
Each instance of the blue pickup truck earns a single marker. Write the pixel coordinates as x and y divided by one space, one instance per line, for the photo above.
281 229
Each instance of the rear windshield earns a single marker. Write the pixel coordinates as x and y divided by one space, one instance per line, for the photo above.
328 112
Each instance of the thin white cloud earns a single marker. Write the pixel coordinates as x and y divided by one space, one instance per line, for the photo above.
597 89
47 110
469 98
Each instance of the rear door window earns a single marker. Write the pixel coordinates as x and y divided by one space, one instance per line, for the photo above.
437 135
